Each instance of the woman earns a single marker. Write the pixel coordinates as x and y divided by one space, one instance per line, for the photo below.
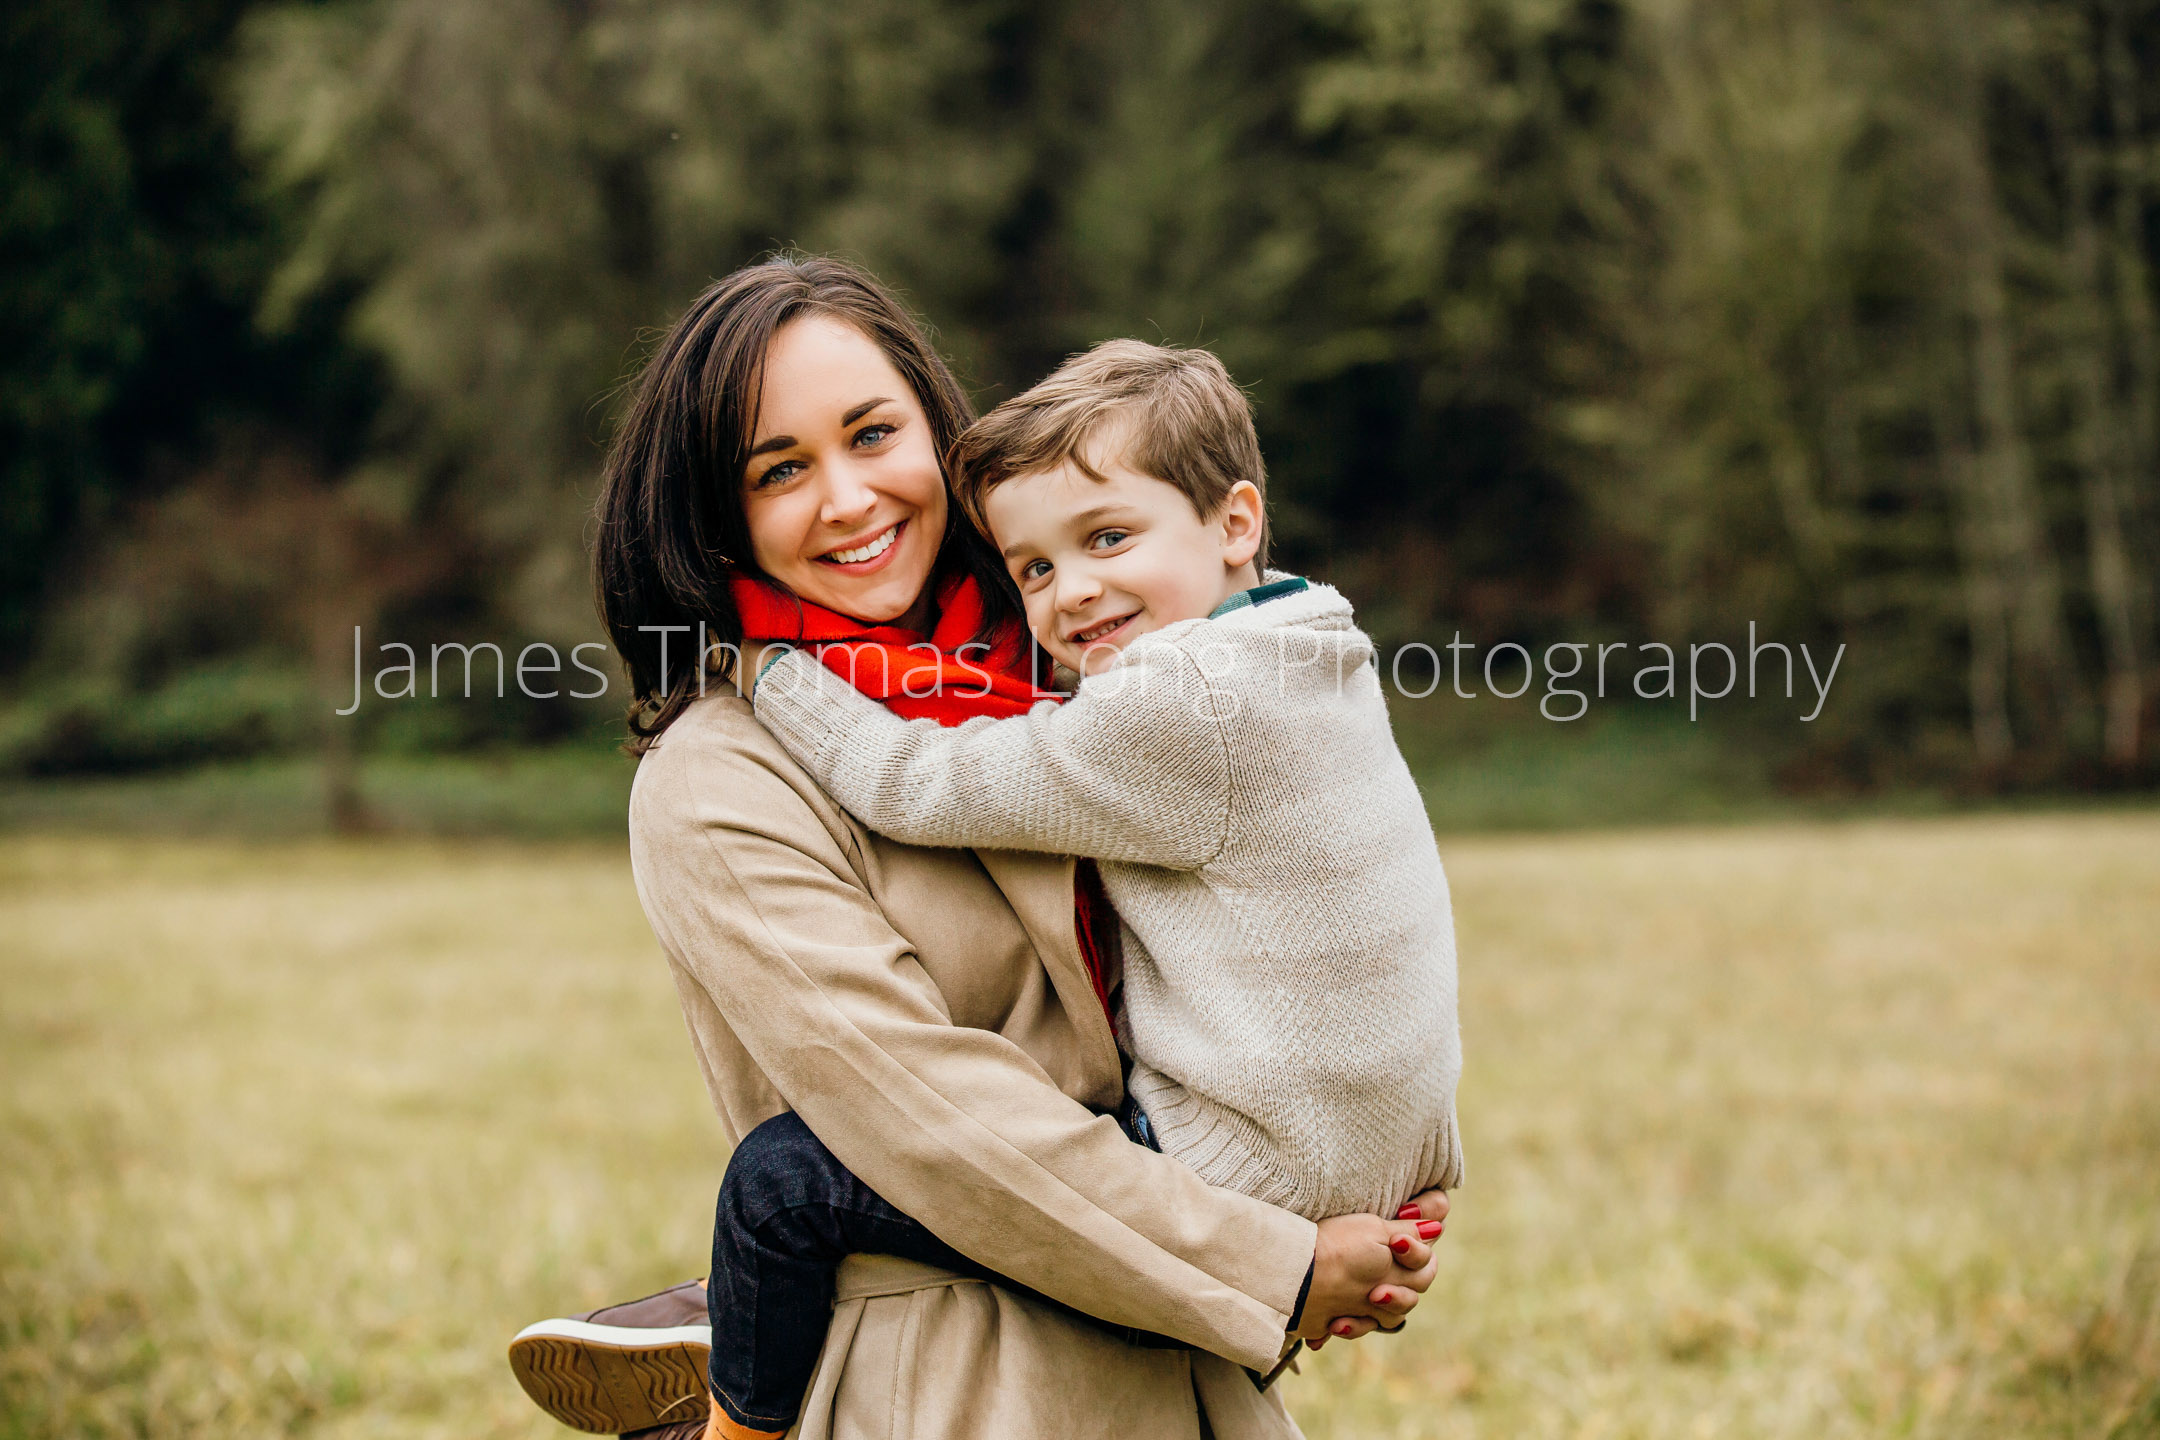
928 1013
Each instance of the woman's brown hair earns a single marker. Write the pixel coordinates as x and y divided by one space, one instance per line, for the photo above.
672 529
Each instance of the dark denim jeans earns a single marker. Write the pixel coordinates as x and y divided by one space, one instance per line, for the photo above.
789 1213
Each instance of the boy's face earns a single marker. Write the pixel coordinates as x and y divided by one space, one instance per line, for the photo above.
1102 562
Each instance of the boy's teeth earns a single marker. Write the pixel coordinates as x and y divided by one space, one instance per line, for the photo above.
870 551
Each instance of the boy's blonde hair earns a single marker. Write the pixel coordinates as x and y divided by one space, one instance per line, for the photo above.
1187 425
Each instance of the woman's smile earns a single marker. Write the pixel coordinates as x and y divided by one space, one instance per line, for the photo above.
867 558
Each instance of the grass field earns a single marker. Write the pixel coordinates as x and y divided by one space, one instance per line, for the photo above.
1789 1131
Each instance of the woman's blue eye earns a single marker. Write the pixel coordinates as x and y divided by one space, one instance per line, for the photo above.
780 474
874 434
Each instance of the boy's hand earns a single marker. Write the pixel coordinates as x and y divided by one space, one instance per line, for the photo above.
1373 1269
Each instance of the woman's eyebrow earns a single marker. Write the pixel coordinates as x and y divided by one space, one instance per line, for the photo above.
789 442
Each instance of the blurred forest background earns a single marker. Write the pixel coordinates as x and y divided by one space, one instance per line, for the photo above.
1565 319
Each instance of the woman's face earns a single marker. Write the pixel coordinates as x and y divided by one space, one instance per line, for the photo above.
843 492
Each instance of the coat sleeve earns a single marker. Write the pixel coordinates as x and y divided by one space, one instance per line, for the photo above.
757 900
1134 767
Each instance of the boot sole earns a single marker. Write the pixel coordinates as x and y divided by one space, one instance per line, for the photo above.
611 1379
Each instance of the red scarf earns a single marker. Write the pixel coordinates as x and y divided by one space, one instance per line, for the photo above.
948 676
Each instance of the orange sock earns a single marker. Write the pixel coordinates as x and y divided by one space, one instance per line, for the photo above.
721 1427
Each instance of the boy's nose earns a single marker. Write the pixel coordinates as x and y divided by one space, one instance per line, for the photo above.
1077 589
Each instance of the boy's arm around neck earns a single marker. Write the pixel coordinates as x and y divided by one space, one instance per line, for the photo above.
1134 768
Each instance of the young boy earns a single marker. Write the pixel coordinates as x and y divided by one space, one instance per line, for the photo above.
1288 955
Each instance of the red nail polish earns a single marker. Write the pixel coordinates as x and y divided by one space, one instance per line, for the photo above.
1342 1328
1408 1212
1400 1244
1427 1229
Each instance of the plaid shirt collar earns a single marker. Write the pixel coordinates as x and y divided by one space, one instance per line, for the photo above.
1261 594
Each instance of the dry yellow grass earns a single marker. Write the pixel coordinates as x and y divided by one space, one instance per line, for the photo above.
1809 1132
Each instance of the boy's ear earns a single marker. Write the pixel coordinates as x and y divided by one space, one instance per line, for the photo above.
1241 516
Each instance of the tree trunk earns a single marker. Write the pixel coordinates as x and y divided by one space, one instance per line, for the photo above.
340 593
2132 291
332 635
2099 439
2010 541
1987 610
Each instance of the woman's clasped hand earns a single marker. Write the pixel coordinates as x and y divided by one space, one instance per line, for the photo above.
1368 1272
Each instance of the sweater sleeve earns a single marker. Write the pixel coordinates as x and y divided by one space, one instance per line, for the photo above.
955 1125
1134 768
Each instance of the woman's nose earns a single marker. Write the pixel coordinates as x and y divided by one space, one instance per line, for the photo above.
847 498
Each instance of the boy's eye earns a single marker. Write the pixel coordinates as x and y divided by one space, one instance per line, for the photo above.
1034 570
1107 539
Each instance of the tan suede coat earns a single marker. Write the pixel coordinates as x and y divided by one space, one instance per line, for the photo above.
928 1014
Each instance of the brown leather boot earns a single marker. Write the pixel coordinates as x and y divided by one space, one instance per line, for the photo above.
622 1368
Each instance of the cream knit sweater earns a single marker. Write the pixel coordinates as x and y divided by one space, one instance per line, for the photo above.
1289 952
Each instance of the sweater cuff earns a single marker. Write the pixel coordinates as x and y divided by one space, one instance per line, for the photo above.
776 651
1304 1292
